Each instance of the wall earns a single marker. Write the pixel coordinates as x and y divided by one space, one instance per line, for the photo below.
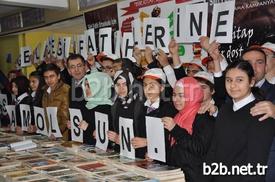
12 43
8 44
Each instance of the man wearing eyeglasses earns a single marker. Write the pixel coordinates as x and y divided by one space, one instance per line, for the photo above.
77 69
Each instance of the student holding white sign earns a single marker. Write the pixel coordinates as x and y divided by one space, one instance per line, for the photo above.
128 105
56 95
97 92
190 132
153 86
20 88
36 84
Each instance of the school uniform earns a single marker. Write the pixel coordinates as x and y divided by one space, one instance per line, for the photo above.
130 107
160 109
189 151
267 88
88 137
133 110
239 139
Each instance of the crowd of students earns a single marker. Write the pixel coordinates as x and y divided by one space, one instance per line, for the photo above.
212 113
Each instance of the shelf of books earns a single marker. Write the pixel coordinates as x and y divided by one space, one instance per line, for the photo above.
33 158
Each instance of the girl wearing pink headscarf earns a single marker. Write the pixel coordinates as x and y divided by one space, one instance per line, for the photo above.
190 132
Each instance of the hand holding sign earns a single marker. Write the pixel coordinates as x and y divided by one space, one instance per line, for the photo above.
173 47
162 58
69 124
138 142
137 55
113 136
83 125
204 42
214 52
148 55
18 131
31 129
169 123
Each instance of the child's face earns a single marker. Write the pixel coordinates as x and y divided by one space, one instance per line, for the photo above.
237 84
107 67
207 94
34 82
121 88
51 78
178 98
14 89
192 69
152 89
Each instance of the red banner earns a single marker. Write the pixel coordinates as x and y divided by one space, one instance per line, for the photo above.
134 6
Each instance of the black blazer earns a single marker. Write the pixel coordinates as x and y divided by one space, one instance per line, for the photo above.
190 151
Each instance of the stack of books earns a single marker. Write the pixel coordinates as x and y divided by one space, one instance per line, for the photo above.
54 161
23 145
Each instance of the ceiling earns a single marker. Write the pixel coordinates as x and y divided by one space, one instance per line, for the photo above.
60 27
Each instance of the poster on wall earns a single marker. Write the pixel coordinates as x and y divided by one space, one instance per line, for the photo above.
253 24
102 18
128 11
